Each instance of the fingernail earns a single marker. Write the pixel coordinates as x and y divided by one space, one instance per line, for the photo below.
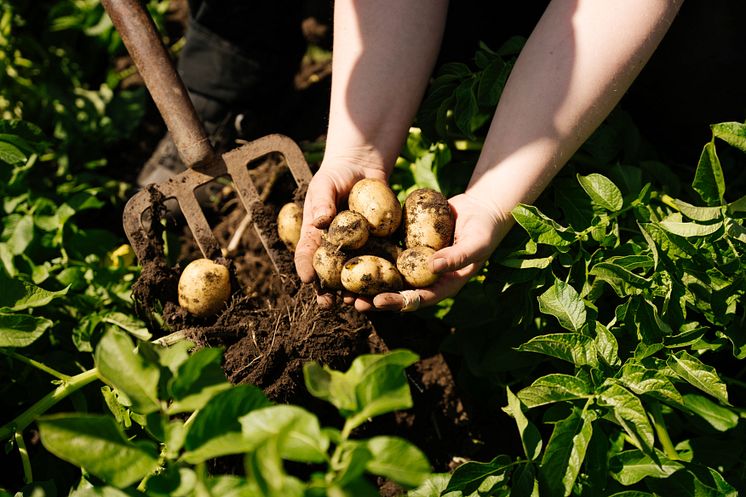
439 265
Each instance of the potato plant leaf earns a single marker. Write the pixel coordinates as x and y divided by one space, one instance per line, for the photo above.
198 379
18 295
732 133
530 436
468 477
553 388
689 230
135 377
375 384
398 460
97 444
565 453
631 466
295 430
719 417
563 302
541 228
571 347
709 181
641 380
698 374
21 330
631 416
216 428
602 191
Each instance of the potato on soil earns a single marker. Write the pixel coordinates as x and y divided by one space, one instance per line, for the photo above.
289 222
414 266
377 202
327 262
428 220
204 287
348 230
370 275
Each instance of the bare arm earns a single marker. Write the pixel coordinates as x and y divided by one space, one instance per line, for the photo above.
581 58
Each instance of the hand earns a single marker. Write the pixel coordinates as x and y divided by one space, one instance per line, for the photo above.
477 233
330 185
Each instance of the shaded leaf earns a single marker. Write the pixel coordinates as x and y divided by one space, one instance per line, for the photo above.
572 347
565 453
554 388
530 436
719 417
709 181
698 374
631 466
21 330
540 228
732 133
398 460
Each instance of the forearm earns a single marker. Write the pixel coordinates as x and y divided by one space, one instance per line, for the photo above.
384 52
576 65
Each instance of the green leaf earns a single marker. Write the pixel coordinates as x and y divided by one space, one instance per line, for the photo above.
554 388
524 482
641 380
21 231
135 377
606 344
623 281
732 133
632 493
571 347
602 191
198 380
431 487
264 467
467 477
96 444
734 230
11 154
21 330
375 384
351 464
465 107
698 374
631 466
540 228
530 436
18 295
492 82
631 416
216 428
565 453
694 480
688 230
130 324
297 432
709 181
702 214
719 417
563 302
398 460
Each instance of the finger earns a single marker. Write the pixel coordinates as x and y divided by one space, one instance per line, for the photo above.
464 252
325 300
321 201
364 305
310 239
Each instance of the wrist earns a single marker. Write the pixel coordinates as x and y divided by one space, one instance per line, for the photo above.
365 158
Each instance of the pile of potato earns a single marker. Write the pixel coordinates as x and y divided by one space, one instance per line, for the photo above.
362 250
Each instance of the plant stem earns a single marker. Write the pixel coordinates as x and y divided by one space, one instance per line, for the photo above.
28 476
28 416
37 365
660 428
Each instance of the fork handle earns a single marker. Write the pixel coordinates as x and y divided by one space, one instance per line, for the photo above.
154 64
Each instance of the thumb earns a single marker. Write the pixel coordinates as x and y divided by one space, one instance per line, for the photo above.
321 201
470 250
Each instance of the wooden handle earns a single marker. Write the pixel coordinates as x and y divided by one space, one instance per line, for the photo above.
152 60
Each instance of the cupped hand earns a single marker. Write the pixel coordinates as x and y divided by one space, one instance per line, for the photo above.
478 231
330 185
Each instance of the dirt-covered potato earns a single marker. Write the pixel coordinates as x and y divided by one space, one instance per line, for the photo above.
377 202
327 262
381 247
204 287
289 221
348 230
428 220
414 266
370 275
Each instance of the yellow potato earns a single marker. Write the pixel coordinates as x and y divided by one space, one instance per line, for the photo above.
204 287
377 202
348 230
370 275
289 222
327 262
414 266
428 220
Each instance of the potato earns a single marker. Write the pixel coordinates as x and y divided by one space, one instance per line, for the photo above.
370 275
377 202
327 262
381 247
204 287
414 266
348 230
289 222
428 220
